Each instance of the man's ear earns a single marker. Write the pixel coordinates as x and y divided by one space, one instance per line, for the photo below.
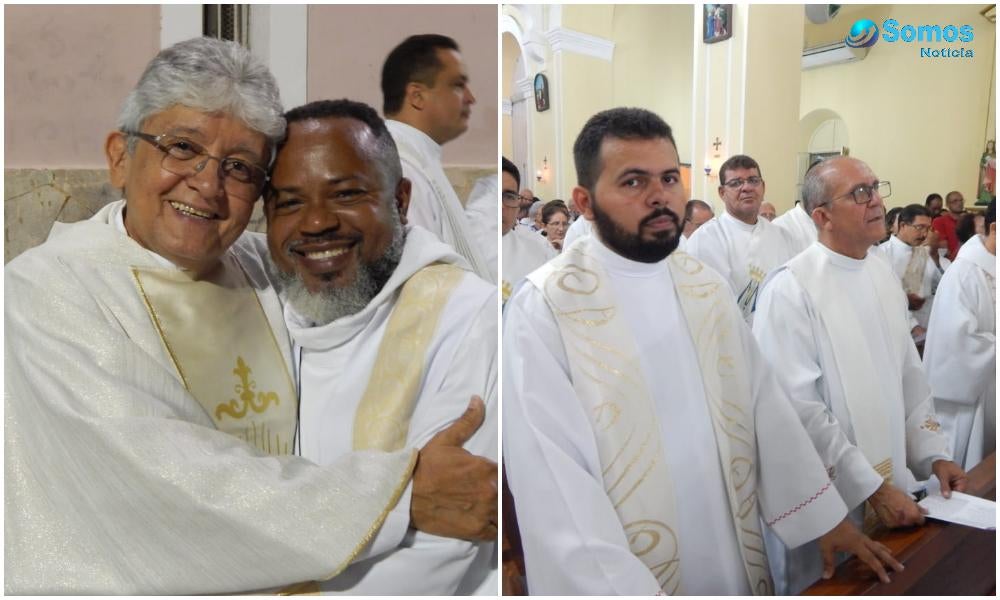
116 152
821 217
584 203
415 95
403 198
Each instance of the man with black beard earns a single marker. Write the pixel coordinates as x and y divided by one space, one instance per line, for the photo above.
651 440
392 333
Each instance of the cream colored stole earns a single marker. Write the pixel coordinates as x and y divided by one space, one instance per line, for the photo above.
383 416
609 383
217 336
916 268
868 408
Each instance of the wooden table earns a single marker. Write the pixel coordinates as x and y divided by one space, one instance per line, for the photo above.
940 558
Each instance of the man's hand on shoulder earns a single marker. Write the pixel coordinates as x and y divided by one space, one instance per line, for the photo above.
455 492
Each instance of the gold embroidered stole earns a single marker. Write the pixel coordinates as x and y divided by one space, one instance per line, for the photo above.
868 407
383 416
219 340
609 382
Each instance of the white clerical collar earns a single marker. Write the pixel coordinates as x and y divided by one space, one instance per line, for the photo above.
898 243
619 265
840 260
422 140
117 217
975 251
734 222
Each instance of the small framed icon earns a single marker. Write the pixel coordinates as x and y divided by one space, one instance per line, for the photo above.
718 20
541 93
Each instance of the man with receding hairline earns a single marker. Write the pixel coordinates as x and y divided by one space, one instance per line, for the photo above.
739 244
834 325
427 102
390 330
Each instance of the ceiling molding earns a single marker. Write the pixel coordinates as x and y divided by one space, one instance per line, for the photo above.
567 40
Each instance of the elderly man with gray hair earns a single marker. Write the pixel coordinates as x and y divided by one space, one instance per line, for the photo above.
151 418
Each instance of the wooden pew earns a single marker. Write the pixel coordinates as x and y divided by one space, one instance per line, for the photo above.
940 558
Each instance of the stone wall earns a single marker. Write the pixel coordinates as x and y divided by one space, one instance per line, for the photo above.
36 198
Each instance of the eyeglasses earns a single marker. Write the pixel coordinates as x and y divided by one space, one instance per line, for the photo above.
863 193
920 228
735 184
183 157
510 199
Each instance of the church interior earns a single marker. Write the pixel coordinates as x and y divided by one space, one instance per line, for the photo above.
783 88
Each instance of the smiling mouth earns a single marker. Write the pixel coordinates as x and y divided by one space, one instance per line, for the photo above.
322 254
191 211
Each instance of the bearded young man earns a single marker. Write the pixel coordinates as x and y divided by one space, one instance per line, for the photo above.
390 329
654 440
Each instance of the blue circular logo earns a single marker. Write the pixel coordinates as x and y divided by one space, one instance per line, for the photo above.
864 33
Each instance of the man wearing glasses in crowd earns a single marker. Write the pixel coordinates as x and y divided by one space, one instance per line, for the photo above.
911 261
833 324
738 244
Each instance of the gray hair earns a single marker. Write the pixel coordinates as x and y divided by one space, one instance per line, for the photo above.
209 75
815 187
534 208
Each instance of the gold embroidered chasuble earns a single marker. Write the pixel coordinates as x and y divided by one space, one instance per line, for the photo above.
216 333
607 378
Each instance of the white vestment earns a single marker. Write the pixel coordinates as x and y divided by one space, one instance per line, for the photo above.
799 226
796 339
117 479
433 202
336 362
899 255
743 254
523 252
960 353
573 539
581 227
481 211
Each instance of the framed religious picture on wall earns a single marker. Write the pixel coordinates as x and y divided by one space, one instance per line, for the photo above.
718 20
541 93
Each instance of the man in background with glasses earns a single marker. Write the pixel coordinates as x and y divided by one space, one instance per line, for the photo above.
150 415
523 249
911 262
739 244
833 324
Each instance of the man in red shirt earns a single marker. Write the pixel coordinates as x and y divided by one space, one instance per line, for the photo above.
945 224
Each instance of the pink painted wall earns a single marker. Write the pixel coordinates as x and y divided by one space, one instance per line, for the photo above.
66 71
347 45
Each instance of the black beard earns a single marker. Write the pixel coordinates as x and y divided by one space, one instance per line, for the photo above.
631 245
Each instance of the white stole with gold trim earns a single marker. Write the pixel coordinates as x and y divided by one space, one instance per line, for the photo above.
382 420
609 382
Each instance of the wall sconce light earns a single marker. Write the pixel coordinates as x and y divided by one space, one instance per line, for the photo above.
543 173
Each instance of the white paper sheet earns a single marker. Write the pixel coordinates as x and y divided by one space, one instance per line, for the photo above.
962 509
